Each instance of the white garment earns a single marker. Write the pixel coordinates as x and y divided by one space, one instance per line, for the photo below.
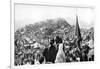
60 57
91 45
36 45
91 52
36 62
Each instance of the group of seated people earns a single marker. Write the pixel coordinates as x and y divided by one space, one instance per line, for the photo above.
58 51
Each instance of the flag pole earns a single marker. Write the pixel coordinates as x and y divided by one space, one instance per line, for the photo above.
77 32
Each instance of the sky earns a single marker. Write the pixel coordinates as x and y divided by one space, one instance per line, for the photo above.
30 14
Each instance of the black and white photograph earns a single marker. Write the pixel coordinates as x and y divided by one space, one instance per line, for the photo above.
51 34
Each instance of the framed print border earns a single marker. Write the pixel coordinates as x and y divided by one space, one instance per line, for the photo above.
12 24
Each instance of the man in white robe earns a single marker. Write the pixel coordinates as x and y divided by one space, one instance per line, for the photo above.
60 57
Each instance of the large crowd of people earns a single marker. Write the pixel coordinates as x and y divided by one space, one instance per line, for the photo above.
53 45
59 50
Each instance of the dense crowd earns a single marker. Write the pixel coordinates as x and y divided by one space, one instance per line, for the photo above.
59 50
53 41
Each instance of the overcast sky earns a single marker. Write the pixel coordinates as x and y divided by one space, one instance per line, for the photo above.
29 14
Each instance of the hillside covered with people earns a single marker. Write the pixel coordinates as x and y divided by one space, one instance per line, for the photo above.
33 39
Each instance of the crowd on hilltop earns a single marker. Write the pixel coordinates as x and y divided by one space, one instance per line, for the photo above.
53 41
59 50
